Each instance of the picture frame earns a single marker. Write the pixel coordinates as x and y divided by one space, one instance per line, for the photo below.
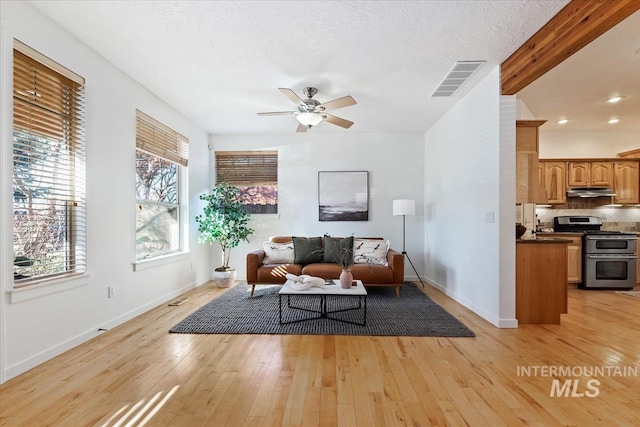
343 195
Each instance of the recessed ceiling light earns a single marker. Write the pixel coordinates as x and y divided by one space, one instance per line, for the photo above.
615 99
614 120
562 121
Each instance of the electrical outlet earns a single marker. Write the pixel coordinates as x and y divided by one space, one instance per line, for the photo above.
111 292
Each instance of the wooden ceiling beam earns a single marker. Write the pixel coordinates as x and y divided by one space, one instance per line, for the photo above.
576 25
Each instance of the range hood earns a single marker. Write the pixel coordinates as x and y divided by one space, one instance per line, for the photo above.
591 192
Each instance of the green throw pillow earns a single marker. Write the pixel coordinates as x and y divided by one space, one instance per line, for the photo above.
307 250
339 251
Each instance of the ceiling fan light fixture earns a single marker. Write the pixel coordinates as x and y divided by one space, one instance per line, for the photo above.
309 119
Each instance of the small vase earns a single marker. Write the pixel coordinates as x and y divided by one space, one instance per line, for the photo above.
345 279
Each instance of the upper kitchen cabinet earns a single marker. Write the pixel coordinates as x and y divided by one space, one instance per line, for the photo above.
601 174
528 187
553 176
579 174
589 174
626 178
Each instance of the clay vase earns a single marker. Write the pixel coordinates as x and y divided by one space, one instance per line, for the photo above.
224 279
345 279
520 229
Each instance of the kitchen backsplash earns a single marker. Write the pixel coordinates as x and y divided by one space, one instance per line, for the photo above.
613 219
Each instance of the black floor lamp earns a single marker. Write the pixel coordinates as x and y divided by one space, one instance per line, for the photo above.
405 207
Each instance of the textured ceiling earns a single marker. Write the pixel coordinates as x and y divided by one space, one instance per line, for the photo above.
221 62
577 88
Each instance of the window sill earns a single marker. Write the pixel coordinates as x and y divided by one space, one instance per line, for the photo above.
145 264
45 288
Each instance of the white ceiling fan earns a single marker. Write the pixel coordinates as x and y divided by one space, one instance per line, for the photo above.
311 112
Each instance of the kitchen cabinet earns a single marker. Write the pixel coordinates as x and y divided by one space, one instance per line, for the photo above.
528 188
541 280
578 174
589 174
574 254
574 261
626 182
554 180
601 174
620 173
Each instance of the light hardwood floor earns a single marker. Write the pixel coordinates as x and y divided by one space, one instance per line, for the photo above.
140 374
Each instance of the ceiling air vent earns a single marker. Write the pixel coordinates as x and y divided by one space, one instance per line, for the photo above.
460 73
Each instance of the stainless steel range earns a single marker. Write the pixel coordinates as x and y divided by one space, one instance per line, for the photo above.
609 258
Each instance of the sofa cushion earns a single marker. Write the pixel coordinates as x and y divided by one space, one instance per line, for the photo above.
337 249
370 251
307 250
322 269
276 273
277 253
372 274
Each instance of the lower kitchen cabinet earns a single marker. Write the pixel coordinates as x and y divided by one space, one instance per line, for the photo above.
541 280
574 255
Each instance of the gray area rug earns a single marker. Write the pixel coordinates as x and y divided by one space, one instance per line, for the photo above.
236 312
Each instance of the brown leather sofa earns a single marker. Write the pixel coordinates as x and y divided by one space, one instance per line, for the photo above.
370 274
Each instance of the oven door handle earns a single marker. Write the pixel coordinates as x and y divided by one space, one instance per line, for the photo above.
612 256
609 237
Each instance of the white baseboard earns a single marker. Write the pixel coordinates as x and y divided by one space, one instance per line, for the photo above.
500 323
35 360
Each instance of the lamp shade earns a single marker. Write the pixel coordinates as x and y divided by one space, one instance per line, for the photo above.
309 119
404 207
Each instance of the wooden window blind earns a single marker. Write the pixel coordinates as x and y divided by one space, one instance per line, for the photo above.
242 168
48 168
160 140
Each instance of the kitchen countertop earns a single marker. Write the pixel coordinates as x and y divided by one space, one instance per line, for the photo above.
544 240
561 233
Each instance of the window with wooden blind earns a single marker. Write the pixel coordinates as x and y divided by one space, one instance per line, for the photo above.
48 169
160 152
255 173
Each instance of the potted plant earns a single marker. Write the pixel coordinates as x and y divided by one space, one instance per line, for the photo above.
340 251
225 221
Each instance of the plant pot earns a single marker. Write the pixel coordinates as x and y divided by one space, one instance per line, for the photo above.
224 278
345 279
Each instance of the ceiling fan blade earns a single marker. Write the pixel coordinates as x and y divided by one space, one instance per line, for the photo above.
345 101
302 128
337 121
277 113
291 95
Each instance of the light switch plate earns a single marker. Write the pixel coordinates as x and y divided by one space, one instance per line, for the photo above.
490 216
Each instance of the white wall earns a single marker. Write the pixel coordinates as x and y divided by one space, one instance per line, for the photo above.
567 144
395 166
470 174
39 327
